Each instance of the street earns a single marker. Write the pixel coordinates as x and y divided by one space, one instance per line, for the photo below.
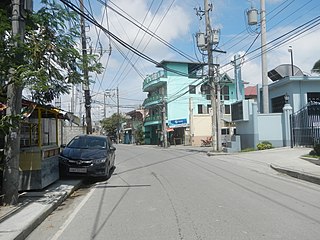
178 194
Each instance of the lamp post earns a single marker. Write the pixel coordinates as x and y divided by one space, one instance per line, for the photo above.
291 54
286 98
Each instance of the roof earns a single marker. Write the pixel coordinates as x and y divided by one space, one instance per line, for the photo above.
250 91
284 70
192 65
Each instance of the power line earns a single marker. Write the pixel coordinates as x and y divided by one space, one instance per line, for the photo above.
135 23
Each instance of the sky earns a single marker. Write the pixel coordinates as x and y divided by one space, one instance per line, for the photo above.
289 23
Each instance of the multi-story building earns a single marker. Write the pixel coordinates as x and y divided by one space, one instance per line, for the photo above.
181 88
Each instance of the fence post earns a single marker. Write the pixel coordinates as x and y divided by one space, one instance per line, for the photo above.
287 111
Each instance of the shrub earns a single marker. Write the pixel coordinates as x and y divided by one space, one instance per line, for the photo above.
316 149
264 145
312 153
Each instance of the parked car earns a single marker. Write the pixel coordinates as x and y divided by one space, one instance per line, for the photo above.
87 155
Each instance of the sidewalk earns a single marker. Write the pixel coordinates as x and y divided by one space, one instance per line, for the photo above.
289 161
18 221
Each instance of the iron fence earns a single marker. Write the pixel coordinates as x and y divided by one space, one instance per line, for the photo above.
305 126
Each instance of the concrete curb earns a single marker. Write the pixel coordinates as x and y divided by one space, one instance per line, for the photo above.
217 153
297 174
21 224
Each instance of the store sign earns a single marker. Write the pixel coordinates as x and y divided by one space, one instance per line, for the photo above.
178 122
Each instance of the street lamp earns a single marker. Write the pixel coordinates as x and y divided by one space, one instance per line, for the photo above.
286 98
291 53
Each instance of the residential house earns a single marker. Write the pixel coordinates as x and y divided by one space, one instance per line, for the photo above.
179 89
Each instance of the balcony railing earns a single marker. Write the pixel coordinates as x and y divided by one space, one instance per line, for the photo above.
154 78
155 99
153 118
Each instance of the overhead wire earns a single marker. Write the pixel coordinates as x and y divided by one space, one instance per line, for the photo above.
136 23
276 13
136 36
292 34
159 24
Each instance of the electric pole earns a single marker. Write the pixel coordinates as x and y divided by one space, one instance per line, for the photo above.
265 90
210 74
118 113
164 124
86 86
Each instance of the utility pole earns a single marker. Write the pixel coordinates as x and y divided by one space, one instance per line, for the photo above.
164 124
265 89
210 74
253 20
104 105
118 113
218 109
86 86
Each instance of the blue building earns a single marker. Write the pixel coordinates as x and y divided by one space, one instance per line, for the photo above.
179 87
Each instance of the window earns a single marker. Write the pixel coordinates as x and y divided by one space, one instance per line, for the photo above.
205 89
225 93
225 131
200 109
192 89
208 108
313 96
227 109
277 104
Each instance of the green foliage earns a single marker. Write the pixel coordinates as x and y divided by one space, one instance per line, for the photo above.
139 135
248 150
110 124
48 61
264 145
316 150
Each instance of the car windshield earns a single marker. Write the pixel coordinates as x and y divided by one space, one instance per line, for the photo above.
88 142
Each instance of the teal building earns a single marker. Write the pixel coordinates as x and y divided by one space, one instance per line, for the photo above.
176 89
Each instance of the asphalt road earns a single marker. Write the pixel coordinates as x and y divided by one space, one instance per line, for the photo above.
176 194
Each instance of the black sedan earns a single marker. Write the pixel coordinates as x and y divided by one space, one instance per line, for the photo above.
87 155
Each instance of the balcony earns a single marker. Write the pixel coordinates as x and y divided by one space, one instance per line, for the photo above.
151 120
153 100
154 81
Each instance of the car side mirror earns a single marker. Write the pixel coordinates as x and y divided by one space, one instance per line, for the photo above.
63 145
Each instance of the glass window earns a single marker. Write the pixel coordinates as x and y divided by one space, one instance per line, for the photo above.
192 89
313 96
225 93
200 109
277 104
227 109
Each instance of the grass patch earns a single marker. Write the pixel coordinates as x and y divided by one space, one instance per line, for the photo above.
248 150
311 156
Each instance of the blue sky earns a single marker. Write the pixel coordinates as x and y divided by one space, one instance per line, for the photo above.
176 22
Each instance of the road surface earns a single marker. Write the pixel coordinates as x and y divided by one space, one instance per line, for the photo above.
164 194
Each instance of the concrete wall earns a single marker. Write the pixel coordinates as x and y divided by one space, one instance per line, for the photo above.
71 131
201 128
270 128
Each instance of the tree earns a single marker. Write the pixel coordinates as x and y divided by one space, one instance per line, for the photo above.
49 63
111 124
316 67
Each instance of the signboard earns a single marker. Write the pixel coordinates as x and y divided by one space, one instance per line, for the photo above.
176 122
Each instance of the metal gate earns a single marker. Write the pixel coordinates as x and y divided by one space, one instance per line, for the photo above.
305 125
